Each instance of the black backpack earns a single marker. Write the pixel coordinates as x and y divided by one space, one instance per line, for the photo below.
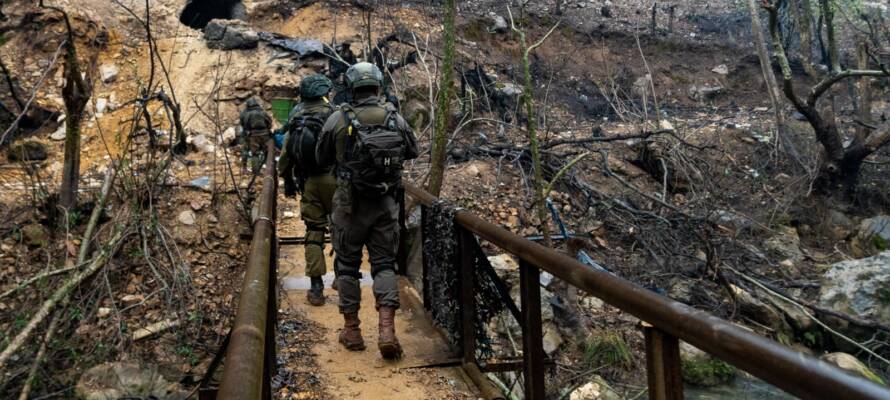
304 133
374 155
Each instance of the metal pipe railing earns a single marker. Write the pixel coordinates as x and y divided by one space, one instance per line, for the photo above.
794 372
246 374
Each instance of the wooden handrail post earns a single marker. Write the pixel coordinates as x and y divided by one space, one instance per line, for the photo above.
532 336
663 364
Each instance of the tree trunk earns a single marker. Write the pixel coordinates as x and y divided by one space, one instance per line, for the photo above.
532 127
863 110
443 111
828 19
805 24
653 25
766 68
76 93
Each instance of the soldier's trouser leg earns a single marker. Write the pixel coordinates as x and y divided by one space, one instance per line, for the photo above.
315 207
383 244
348 237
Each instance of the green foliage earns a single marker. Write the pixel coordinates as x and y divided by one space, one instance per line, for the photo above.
707 372
880 243
74 218
607 349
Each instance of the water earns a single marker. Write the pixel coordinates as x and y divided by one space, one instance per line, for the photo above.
741 388
302 282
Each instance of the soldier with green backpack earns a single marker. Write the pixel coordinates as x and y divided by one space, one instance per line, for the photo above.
303 174
367 141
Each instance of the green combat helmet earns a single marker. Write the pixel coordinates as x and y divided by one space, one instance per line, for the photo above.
315 86
364 74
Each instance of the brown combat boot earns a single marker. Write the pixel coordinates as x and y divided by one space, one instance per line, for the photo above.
388 343
351 334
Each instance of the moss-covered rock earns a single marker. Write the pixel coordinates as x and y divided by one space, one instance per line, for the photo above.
849 363
701 369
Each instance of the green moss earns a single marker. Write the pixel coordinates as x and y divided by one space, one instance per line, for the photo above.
707 372
880 243
607 349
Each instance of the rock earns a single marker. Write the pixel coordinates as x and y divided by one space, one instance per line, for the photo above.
202 143
202 183
230 35
101 105
154 328
498 24
552 338
837 225
186 217
596 389
229 135
132 298
108 73
721 69
126 380
103 312
859 287
705 92
852 364
288 215
702 369
503 262
592 304
875 232
732 220
35 235
508 90
786 243
759 311
59 134
665 125
27 151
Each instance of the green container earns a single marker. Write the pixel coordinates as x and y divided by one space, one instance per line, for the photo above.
281 109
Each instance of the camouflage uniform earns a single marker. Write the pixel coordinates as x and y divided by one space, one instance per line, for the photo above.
256 129
360 221
317 190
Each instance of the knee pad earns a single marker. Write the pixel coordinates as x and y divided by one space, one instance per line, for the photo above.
350 270
315 238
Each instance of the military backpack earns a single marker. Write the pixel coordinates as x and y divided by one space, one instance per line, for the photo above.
374 154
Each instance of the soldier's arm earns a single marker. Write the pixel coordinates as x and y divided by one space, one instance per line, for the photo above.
326 148
411 150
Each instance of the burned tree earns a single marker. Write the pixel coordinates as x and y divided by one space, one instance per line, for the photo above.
75 94
842 164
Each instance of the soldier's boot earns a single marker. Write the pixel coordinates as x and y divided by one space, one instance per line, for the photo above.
388 343
351 335
315 296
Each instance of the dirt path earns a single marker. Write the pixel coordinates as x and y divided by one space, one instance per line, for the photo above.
365 375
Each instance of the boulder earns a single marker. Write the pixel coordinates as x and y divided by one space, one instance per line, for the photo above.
35 235
852 364
721 69
552 338
837 225
223 34
108 73
202 143
126 380
702 369
503 262
498 24
27 151
705 92
786 243
759 311
228 136
875 232
596 389
859 287
186 217
60 133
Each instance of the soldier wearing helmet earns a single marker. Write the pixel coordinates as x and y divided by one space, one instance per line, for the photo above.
256 129
367 142
302 173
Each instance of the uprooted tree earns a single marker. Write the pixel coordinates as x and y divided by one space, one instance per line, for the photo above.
842 164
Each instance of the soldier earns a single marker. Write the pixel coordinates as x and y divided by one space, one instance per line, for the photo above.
367 141
256 129
302 173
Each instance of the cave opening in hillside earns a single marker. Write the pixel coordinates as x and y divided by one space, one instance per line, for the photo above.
197 13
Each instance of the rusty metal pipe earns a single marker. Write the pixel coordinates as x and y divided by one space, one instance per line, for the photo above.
794 372
243 377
